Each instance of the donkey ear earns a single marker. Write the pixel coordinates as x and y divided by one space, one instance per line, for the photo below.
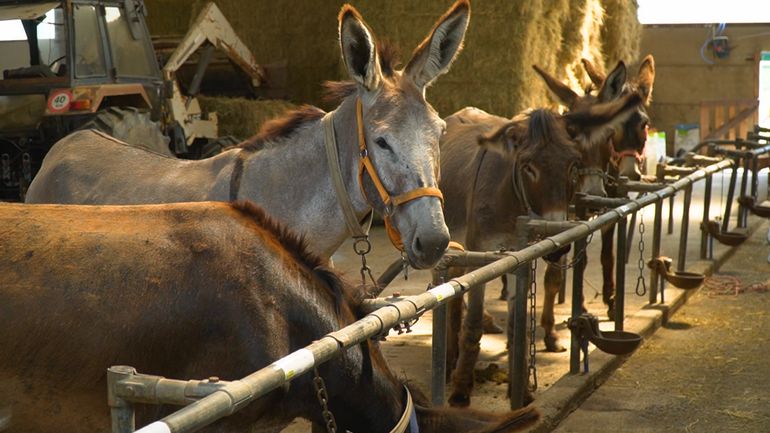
504 139
597 77
566 95
613 85
359 50
435 54
646 77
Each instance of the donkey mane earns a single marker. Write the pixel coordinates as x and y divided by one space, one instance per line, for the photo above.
388 54
281 127
544 128
296 246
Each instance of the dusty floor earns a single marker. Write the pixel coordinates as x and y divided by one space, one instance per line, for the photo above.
707 370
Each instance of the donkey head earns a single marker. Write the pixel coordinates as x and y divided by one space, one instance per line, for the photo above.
402 130
624 145
543 162
630 139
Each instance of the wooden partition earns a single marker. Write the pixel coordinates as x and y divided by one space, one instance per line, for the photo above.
727 119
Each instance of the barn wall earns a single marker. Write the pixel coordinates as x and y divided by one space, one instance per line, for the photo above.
683 79
494 71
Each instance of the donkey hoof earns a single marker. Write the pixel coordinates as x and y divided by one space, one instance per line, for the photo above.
611 314
503 294
459 400
552 345
490 327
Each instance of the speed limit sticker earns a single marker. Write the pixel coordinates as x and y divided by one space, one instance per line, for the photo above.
59 100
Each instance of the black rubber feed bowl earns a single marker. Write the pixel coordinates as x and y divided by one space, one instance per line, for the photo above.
731 238
617 342
685 280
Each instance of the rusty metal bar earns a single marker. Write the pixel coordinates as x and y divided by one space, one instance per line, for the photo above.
730 195
237 394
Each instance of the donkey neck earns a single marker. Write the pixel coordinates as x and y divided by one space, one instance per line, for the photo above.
494 205
292 182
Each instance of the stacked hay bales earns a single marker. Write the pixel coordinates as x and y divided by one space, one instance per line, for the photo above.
241 117
494 72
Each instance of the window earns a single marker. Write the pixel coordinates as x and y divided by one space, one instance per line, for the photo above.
89 58
703 11
11 30
129 55
764 89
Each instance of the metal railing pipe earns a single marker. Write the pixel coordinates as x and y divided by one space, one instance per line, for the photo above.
685 227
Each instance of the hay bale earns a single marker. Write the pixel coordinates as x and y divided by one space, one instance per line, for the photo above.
622 32
494 72
242 117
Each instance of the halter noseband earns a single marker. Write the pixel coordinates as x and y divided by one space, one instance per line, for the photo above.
390 202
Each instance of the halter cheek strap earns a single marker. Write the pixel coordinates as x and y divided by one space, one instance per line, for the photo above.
390 202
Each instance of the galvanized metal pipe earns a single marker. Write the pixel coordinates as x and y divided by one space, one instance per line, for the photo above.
517 316
743 212
236 394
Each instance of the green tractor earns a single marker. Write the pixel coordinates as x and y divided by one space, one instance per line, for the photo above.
76 64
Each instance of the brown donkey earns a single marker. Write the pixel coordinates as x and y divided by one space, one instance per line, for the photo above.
528 165
621 155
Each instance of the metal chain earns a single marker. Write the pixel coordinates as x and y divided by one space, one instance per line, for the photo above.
641 285
323 400
362 247
404 265
532 369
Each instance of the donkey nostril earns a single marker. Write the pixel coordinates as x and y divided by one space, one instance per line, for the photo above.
417 245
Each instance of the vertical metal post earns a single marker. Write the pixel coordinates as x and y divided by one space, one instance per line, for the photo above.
438 350
730 194
121 411
706 245
755 177
670 228
656 234
743 212
620 275
577 302
517 315
630 237
563 289
682 258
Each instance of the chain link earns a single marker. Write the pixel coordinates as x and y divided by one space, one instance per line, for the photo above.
362 247
641 285
323 400
532 369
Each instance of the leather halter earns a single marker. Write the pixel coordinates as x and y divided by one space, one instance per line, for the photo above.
365 165
408 418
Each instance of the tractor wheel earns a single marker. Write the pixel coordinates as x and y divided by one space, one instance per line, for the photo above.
216 146
132 126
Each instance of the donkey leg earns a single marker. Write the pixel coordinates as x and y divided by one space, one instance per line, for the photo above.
462 378
552 284
608 271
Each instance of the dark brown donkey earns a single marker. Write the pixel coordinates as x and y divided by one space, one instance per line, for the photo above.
186 291
621 155
495 169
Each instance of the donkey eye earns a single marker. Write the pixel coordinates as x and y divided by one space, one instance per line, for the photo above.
383 144
530 171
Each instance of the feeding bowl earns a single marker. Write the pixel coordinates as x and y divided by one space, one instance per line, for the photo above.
685 280
617 342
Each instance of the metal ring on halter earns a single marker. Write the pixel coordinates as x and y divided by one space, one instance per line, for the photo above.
367 246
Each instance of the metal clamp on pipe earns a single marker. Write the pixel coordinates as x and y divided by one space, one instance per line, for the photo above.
680 279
